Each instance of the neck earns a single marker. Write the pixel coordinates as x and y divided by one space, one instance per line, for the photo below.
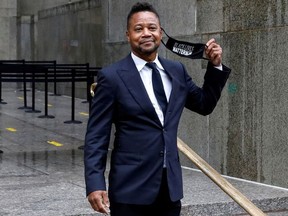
148 57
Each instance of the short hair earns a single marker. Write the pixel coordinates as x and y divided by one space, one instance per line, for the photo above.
140 7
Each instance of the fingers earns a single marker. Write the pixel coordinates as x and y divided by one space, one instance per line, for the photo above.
99 201
106 201
214 52
210 42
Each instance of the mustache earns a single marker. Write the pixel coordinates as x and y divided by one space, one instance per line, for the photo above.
145 41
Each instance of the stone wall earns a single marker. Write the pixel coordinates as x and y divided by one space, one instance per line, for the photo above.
246 136
31 7
255 33
71 33
8 33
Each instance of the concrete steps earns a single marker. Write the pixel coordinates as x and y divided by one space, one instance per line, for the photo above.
203 197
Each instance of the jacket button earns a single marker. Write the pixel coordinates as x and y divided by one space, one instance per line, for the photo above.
161 153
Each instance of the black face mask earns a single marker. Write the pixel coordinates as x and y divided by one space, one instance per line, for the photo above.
185 49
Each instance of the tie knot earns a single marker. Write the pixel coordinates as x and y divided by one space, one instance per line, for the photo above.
151 65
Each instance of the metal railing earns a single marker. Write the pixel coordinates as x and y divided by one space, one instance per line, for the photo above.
230 190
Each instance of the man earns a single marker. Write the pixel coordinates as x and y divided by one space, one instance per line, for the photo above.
145 175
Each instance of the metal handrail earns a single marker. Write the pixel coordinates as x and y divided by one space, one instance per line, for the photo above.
230 190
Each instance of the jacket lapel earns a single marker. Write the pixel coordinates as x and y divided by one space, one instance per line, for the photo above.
170 69
132 80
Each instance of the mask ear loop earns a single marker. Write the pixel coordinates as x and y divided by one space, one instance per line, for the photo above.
166 35
205 54
170 37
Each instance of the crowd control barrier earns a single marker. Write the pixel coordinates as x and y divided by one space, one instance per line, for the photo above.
33 72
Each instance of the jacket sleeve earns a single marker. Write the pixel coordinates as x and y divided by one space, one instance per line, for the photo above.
98 134
203 100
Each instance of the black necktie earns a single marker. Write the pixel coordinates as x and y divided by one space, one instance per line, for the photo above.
158 87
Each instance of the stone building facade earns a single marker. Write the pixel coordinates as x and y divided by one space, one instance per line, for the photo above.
246 136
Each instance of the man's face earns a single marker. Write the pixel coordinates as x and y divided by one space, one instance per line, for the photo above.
144 34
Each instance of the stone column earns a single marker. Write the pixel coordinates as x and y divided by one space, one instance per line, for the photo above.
26 39
8 33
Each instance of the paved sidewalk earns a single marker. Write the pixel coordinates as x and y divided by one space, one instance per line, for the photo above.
41 167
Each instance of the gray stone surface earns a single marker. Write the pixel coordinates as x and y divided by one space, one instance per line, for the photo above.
257 130
246 135
8 33
76 43
31 7
37 178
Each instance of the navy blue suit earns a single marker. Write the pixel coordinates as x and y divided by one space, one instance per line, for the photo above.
138 150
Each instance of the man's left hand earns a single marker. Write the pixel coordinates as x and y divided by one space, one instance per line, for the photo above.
213 52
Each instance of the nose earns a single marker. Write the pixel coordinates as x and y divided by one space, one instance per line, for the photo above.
146 32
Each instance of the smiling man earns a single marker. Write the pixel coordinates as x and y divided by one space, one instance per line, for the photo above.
144 95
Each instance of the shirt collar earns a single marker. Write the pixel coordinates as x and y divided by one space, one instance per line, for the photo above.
140 63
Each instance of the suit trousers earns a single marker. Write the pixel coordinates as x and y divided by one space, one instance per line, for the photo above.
162 206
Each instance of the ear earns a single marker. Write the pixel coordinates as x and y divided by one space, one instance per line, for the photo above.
128 36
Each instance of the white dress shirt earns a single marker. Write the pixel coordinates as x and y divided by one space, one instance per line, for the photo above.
146 76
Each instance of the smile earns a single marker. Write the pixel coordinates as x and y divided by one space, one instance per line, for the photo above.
148 41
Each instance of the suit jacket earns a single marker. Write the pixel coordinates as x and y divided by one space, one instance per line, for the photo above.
138 151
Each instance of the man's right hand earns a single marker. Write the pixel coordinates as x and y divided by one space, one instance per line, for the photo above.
99 201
